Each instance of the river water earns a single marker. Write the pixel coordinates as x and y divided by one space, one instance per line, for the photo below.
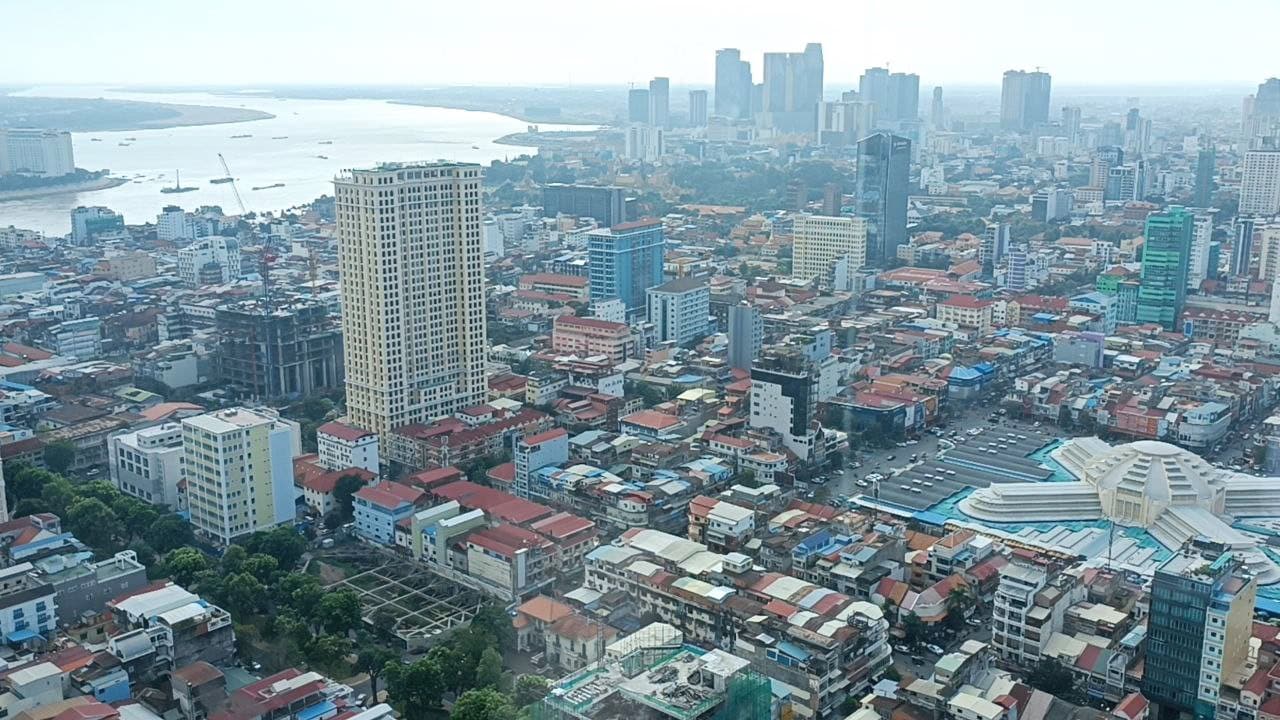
284 149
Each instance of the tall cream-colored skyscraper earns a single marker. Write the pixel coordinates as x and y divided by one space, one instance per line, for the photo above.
1260 183
821 240
411 262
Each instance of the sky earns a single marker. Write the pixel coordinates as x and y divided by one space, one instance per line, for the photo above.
250 43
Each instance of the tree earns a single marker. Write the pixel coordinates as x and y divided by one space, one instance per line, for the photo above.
346 486
913 628
23 481
138 517
93 522
484 704
184 564
168 532
415 689
58 495
1051 677
262 567
455 675
301 592
530 689
329 652
233 559
146 555
30 506
59 455
338 612
282 543
372 661
243 594
492 622
489 669
959 603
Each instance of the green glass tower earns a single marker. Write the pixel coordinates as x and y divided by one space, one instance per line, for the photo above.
1165 255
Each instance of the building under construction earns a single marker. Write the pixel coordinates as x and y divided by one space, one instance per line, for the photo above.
285 347
680 682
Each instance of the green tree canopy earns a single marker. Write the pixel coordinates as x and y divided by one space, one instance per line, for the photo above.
339 612
489 669
530 689
58 456
483 704
184 564
415 689
343 490
93 522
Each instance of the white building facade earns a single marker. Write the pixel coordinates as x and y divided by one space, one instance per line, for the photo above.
147 463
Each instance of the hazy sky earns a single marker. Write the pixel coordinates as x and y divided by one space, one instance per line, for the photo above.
559 42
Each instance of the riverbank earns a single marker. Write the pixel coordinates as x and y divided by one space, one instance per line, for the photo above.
101 183
90 115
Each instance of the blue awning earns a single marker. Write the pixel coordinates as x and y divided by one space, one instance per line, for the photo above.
21 636
319 710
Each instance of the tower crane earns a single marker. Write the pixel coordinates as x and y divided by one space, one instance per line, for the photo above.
234 190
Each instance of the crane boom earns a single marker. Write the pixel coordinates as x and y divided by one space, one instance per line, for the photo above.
234 190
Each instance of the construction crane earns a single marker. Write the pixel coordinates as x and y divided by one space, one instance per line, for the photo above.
234 190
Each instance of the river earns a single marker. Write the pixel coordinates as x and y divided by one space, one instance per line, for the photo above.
303 147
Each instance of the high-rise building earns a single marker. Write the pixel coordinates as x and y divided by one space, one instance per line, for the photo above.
746 335
33 151
174 224
697 108
1071 124
679 310
1242 247
884 162
1261 113
412 270
1260 182
784 398
89 221
645 142
904 97
832 199
625 261
239 469
1051 204
211 261
1199 264
793 85
1024 100
1206 165
660 102
1166 253
845 122
1268 239
873 87
1122 184
938 111
638 105
279 348
733 85
1104 158
996 241
819 241
1198 630
606 204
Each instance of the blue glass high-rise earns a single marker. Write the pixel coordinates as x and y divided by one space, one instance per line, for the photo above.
624 262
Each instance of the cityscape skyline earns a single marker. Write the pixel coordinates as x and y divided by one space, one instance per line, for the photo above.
513 52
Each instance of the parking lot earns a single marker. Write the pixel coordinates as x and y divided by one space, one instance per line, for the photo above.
978 454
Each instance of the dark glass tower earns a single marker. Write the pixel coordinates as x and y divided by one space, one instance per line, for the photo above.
884 163
1165 256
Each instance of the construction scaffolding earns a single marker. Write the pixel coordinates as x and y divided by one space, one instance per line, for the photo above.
657 683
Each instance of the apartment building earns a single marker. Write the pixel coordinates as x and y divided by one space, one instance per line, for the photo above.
239 470
147 463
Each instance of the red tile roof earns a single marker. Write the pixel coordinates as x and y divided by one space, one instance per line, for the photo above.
507 540
562 525
966 301
651 420
428 479
553 279
574 320
343 431
542 437
390 495
492 502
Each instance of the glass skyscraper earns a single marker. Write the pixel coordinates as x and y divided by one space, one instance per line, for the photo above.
624 262
1166 254
884 162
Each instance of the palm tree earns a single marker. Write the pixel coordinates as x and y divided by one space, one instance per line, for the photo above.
959 603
